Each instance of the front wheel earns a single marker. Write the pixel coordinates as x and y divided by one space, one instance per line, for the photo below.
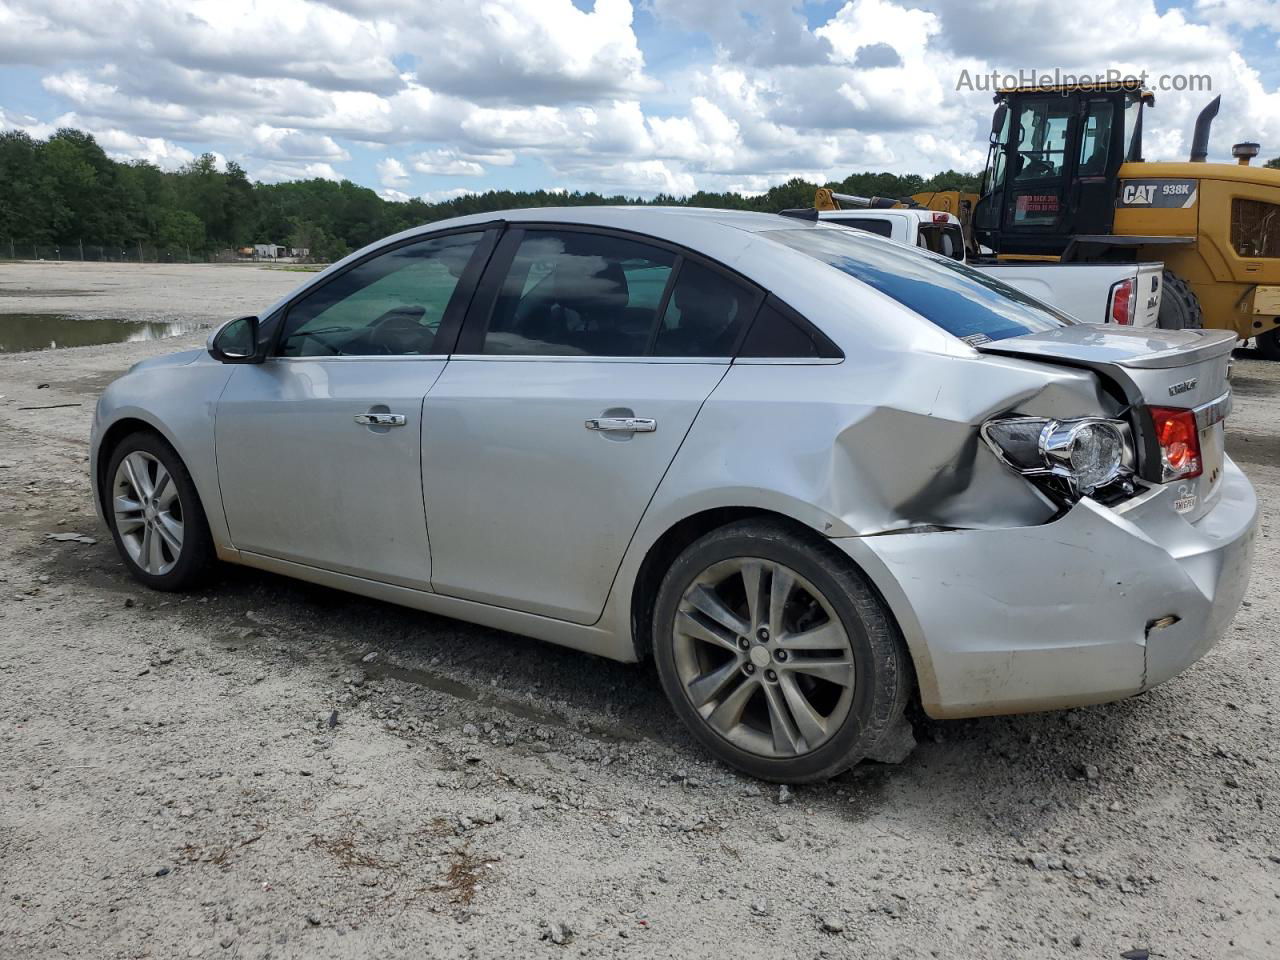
155 515
777 655
1269 344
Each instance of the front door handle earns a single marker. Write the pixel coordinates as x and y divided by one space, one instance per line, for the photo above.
381 419
623 424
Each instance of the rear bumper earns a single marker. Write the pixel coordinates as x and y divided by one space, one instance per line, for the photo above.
1061 615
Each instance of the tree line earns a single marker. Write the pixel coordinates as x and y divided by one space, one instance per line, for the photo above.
65 190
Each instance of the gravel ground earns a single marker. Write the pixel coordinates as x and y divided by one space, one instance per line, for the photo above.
272 769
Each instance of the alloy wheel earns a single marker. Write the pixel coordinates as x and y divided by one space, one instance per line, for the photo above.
148 513
763 658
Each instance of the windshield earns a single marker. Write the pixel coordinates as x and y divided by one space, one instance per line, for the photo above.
961 300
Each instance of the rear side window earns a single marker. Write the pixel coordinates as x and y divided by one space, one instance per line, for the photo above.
959 299
579 294
879 226
779 332
943 238
705 315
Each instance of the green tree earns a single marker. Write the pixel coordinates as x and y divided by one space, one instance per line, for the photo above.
66 189
180 229
1274 164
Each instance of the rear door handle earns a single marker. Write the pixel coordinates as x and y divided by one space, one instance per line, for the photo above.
623 424
381 419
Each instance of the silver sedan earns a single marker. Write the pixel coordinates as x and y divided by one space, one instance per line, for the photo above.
811 474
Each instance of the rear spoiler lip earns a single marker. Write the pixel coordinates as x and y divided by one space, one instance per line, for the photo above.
1214 343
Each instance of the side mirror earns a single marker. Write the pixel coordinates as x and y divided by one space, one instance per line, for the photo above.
997 121
236 342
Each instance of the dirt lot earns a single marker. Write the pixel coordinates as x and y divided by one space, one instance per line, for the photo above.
270 769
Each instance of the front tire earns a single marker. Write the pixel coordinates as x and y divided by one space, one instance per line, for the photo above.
777 655
155 515
1179 306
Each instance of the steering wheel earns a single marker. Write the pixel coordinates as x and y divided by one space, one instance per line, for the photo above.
399 330
1037 166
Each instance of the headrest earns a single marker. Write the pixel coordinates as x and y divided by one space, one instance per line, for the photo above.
589 283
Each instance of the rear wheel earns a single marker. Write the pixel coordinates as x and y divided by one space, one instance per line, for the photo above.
776 654
1269 344
1179 306
156 518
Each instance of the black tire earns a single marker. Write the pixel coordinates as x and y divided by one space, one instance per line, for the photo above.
1179 306
1269 344
883 679
195 558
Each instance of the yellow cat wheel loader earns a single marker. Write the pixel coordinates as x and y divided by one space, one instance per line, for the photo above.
1066 180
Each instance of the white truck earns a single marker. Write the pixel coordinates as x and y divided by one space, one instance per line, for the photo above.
1124 293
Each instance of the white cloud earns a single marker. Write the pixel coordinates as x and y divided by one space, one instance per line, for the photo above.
391 173
438 89
157 150
439 196
446 163
277 171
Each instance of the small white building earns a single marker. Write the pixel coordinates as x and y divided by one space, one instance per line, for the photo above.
269 251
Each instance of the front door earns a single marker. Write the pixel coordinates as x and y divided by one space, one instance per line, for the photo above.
1035 196
319 447
544 444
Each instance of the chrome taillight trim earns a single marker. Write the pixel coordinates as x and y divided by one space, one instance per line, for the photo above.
1215 411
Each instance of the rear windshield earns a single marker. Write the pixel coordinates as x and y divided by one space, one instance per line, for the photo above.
961 300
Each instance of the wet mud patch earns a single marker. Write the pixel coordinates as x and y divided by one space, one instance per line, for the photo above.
22 332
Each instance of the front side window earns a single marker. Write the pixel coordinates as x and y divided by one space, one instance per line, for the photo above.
1041 139
390 305
570 293
961 300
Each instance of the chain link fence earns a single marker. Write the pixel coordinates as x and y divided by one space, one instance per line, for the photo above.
12 249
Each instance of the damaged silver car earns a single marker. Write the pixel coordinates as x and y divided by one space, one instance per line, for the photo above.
808 473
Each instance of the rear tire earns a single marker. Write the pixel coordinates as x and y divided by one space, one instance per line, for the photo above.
793 690
1179 306
155 515
1269 344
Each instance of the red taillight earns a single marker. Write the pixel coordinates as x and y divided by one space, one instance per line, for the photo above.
1122 301
1179 440
942 218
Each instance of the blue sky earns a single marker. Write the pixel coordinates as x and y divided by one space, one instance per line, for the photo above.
433 98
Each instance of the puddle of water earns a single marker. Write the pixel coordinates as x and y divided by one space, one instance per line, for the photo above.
50 331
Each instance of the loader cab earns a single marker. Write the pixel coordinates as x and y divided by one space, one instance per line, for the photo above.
1053 166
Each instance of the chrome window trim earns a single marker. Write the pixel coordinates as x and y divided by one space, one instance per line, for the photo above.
788 361
570 358
348 357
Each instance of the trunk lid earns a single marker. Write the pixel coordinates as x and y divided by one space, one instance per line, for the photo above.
1186 369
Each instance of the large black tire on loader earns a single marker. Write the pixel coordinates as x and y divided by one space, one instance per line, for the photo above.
1269 344
1179 306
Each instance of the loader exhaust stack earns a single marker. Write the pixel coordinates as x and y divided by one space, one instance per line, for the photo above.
1200 141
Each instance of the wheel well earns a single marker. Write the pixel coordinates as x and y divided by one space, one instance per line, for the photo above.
664 552
107 445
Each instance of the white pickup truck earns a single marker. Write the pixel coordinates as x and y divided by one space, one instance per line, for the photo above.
1125 293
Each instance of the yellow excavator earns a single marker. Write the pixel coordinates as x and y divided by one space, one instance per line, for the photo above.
1066 181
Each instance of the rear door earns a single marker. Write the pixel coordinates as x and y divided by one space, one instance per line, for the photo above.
582 366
